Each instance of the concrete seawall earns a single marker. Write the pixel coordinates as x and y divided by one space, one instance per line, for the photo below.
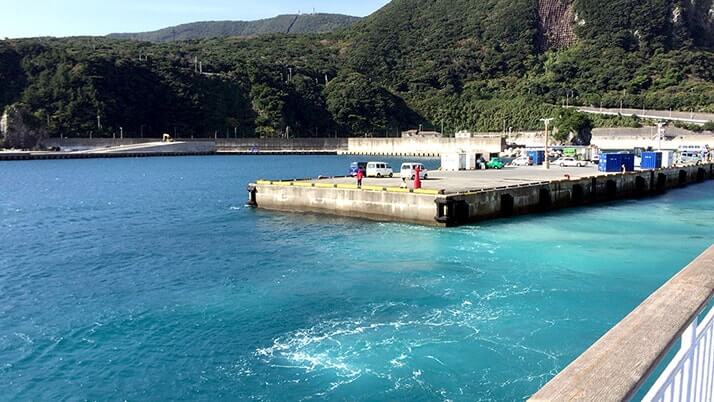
437 207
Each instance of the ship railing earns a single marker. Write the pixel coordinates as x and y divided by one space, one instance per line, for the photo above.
628 357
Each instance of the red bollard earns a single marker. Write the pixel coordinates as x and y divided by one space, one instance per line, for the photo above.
417 179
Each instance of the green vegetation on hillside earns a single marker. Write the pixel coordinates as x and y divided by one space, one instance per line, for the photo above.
459 64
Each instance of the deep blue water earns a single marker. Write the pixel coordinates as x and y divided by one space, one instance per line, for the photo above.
148 279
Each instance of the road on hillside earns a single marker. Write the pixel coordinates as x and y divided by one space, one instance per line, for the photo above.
689 117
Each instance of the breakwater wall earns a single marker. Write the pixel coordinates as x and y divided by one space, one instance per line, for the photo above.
254 145
26 156
257 145
438 208
79 144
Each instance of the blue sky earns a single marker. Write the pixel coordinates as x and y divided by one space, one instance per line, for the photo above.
23 18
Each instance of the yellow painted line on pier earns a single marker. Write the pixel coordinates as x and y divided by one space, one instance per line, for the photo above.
428 192
373 188
325 185
345 187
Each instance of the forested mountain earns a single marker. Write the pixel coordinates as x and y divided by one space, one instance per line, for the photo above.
466 64
285 24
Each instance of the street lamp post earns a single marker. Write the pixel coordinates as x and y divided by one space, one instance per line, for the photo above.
660 134
547 139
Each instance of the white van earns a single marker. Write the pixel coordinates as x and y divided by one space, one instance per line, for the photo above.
408 171
379 169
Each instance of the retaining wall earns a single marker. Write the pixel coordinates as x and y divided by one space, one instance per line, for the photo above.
624 138
485 145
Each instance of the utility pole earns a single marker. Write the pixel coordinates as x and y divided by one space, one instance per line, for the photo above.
547 139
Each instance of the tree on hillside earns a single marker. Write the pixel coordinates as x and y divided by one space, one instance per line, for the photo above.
269 106
12 76
359 106
306 108
573 127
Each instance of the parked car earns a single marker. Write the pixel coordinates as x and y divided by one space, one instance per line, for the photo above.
689 158
379 169
522 161
570 162
408 171
495 163
355 166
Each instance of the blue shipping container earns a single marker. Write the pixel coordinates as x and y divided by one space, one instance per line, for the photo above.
651 160
629 161
611 163
538 157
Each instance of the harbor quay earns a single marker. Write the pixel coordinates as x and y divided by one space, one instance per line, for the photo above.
457 198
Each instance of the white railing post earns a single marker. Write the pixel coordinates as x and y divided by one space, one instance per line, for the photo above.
689 343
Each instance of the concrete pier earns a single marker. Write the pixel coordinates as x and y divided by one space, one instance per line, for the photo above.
458 198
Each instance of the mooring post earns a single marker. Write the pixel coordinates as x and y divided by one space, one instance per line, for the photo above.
252 196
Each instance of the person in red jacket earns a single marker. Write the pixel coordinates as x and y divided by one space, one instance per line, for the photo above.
360 176
417 177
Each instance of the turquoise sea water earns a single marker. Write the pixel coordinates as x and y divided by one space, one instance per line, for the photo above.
148 279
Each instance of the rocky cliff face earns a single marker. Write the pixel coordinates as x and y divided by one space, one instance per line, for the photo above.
668 23
19 129
697 16
556 23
